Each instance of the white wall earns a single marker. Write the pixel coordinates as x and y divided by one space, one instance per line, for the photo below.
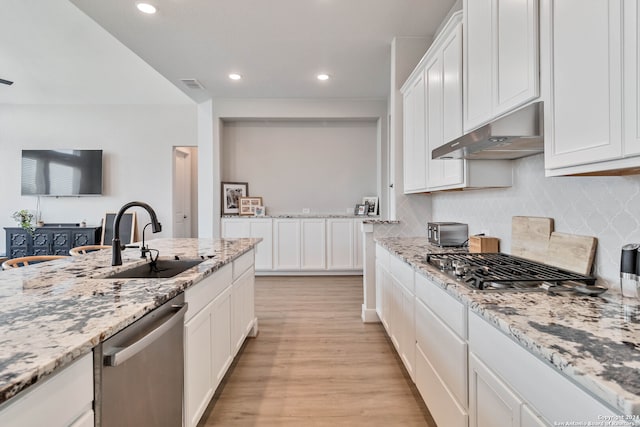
137 143
605 207
287 109
325 166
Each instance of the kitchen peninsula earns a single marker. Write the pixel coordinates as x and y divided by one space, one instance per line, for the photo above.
481 357
55 313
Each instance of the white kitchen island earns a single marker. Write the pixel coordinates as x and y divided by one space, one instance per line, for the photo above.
55 313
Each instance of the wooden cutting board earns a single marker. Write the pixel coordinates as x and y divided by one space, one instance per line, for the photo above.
571 252
530 237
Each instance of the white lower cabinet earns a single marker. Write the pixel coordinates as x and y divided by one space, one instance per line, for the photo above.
256 228
65 399
492 402
539 388
219 318
312 244
286 244
441 353
301 245
340 243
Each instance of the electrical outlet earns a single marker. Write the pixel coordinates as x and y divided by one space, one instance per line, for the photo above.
305 210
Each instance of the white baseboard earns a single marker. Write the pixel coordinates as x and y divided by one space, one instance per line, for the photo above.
369 315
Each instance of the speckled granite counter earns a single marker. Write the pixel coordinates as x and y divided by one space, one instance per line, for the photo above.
52 313
594 341
329 216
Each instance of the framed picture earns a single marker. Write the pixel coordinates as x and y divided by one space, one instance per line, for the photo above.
248 205
231 193
372 201
361 209
260 211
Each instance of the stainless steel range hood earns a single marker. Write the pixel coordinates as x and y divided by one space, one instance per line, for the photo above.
515 135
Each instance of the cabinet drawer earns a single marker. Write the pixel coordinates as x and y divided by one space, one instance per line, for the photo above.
451 311
442 405
402 272
446 352
242 264
202 293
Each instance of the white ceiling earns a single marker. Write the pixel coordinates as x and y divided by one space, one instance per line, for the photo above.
277 45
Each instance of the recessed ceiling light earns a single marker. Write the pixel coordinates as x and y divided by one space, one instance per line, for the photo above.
322 77
235 76
146 8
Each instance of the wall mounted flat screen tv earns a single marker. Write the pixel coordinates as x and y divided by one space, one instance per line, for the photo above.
61 172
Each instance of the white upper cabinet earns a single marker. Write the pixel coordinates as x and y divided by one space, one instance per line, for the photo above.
414 142
436 117
590 76
443 80
631 77
501 58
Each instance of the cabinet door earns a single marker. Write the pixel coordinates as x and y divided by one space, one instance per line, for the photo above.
340 244
452 170
444 109
42 243
515 79
632 77
17 241
286 244
478 40
492 403
414 142
235 228
529 419
583 107
313 246
263 228
242 312
60 242
198 375
83 237
501 58
221 335
358 243
406 330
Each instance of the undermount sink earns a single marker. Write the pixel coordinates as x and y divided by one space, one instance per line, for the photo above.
164 269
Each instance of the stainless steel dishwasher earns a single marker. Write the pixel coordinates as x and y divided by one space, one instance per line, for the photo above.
139 372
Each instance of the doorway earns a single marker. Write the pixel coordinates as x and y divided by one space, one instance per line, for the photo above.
185 191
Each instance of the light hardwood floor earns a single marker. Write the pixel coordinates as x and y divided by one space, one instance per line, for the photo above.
314 363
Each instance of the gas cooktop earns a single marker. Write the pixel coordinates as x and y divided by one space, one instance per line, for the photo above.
498 271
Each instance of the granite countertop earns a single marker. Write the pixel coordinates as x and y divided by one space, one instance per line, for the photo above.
55 312
319 215
594 341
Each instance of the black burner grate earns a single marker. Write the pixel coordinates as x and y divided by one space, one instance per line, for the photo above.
503 268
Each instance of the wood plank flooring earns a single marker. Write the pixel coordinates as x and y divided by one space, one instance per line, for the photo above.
314 363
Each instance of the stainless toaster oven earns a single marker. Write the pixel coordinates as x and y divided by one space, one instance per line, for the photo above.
447 233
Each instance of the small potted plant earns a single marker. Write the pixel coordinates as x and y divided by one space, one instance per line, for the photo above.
25 219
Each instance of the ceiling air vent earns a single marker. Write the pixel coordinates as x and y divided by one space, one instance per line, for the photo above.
192 84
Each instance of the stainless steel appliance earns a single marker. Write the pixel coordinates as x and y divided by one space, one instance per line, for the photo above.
503 272
140 371
447 233
629 269
518 134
